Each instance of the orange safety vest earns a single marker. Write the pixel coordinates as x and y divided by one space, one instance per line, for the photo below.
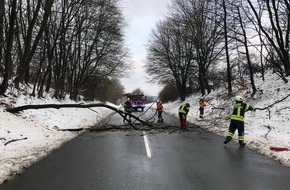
159 105
202 103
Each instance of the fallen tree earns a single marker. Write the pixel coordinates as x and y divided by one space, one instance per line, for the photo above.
59 106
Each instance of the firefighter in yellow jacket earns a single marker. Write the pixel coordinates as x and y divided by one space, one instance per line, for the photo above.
237 120
182 112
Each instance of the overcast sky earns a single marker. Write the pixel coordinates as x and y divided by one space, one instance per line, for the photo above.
141 17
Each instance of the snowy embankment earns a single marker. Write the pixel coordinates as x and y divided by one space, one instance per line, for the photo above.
263 129
31 135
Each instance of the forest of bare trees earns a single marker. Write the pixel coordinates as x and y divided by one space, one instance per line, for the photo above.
206 44
67 46
77 47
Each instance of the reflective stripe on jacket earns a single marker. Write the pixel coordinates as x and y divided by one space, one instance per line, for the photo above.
239 111
183 109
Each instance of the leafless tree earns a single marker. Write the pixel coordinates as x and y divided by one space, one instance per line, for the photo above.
225 26
168 93
33 21
238 44
203 28
2 14
8 46
276 30
186 45
247 53
92 44
59 44
107 90
170 55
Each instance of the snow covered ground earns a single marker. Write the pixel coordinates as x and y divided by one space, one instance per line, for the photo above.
36 134
263 129
35 131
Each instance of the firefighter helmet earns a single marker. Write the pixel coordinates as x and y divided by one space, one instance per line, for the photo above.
187 105
239 98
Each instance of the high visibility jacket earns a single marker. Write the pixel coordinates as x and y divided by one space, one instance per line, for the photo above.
201 103
239 111
183 109
159 105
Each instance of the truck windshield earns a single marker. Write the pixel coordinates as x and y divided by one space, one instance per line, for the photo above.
138 97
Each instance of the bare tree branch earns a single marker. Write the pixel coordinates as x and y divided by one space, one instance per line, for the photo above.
14 140
58 106
278 101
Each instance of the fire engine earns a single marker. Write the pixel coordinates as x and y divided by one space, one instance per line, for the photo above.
137 100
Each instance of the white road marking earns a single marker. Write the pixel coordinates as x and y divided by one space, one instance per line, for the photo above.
148 152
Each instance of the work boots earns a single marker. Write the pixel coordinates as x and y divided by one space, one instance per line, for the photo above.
228 139
242 144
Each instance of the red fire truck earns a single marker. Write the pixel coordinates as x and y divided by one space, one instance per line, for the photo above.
137 100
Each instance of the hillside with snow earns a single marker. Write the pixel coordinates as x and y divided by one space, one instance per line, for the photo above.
263 128
32 134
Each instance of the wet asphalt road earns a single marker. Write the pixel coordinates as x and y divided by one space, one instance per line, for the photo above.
117 160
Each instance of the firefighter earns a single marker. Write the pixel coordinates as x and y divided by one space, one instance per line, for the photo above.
128 109
182 112
159 110
237 120
201 105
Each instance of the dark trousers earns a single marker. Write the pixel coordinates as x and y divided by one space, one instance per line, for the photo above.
127 112
234 125
201 112
160 119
